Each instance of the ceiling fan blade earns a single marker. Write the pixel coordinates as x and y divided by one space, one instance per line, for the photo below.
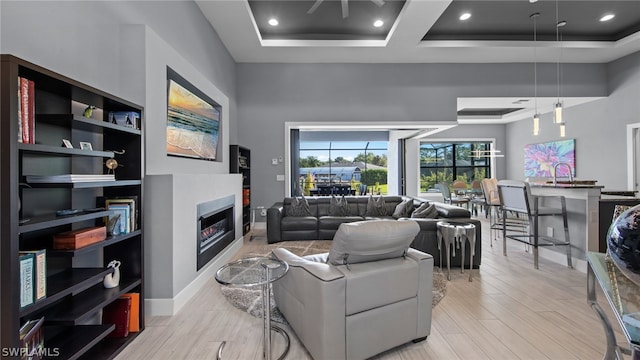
378 2
315 6
345 8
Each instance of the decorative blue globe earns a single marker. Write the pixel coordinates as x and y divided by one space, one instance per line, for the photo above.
623 239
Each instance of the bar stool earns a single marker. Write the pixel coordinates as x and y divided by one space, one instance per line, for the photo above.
515 196
492 206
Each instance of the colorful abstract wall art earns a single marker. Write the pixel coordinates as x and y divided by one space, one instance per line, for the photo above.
539 159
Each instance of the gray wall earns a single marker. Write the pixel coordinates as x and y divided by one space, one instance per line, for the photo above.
599 128
271 94
81 39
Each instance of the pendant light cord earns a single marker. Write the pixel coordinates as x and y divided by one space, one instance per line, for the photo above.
558 56
535 63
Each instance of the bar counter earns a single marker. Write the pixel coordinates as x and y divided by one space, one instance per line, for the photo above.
583 201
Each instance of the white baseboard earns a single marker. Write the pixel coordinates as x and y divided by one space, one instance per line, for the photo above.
169 307
561 258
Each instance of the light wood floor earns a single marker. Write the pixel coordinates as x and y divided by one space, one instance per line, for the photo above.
509 311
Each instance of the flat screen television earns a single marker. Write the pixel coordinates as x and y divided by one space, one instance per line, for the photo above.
539 159
193 121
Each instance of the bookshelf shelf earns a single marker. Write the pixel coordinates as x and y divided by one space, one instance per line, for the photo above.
78 308
60 150
51 220
108 348
82 123
49 108
65 283
87 184
74 341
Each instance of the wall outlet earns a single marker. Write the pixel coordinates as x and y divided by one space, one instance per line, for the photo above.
549 231
263 212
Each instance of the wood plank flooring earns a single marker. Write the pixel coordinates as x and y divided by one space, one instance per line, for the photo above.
509 311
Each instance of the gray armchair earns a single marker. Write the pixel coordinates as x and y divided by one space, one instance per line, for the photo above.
369 294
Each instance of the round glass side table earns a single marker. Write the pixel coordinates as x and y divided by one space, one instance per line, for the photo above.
257 271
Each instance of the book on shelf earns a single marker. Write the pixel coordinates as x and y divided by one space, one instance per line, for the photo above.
132 209
32 339
124 224
134 311
40 272
26 262
131 201
117 313
26 110
69 178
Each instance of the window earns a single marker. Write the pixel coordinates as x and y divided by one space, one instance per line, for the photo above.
452 161
358 166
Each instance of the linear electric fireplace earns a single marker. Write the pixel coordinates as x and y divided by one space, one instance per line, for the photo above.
215 230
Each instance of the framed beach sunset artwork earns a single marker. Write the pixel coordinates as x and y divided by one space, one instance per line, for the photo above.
193 120
539 159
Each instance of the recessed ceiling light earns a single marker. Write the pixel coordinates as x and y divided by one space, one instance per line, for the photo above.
533 1
378 23
273 22
465 16
607 17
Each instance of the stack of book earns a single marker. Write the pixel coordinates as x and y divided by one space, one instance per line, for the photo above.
33 276
26 111
124 313
69 178
126 208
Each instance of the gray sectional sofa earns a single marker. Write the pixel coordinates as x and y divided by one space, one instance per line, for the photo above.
320 225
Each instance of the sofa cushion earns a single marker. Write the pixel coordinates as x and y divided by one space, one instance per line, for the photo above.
404 209
425 211
338 206
375 207
373 240
299 207
333 222
299 223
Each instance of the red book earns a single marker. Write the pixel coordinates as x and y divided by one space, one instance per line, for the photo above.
25 108
32 112
134 314
118 313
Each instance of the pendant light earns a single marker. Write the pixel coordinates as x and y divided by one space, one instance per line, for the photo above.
559 119
536 116
558 106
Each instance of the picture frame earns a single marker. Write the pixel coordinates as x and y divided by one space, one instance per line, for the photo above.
85 145
539 159
66 143
194 121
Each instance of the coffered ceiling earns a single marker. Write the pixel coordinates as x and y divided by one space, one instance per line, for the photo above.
416 31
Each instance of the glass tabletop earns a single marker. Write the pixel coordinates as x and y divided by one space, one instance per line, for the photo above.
250 271
622 294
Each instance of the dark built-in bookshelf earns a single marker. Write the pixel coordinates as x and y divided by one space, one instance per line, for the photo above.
240 163
75 294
